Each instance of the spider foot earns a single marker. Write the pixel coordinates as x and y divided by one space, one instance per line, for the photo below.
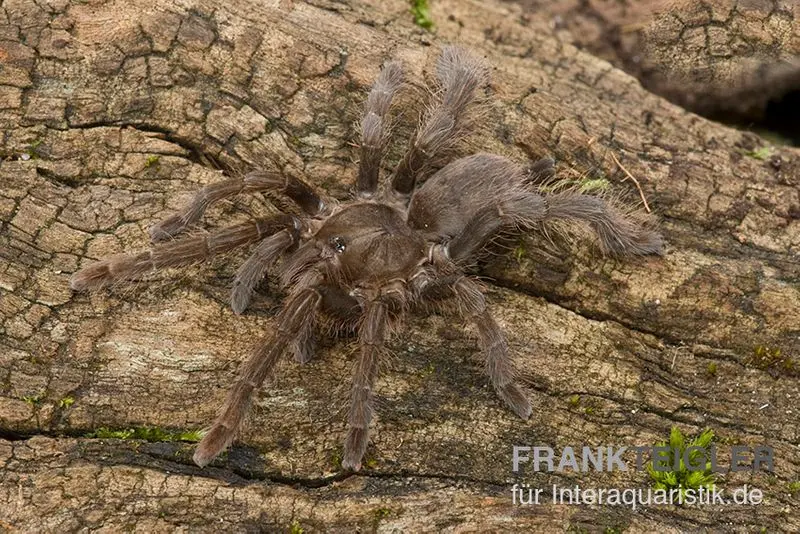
354 448
303 348
650 242
92 277
515 398
240 298
213 443
102 273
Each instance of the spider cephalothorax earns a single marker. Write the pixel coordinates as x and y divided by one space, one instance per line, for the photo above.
363 264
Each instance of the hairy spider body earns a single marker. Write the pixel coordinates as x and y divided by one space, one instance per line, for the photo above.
363 265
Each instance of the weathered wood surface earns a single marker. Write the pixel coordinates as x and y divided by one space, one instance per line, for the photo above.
721 58
113 112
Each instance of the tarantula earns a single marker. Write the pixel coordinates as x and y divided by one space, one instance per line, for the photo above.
389 251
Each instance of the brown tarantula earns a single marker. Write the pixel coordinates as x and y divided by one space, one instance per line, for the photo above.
364 264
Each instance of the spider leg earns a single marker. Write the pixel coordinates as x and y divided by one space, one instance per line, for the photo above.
373 127
524 208
176 253
373 332
471 304
253 270
341 311
297 315
541 171
619 232
304 346
254 182
374 329
460 76
492 342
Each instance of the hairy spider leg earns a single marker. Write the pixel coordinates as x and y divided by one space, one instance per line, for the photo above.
374 329
253 270
374 130
541 171
465 299
297 315
459 76
619 232
304 345
255 182
452 208
520 210
183 251
493 344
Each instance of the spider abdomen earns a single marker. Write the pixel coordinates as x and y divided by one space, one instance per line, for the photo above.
454 195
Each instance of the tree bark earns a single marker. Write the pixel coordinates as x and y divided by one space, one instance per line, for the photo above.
731 59
114 112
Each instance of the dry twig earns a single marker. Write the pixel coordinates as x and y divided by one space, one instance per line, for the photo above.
635 181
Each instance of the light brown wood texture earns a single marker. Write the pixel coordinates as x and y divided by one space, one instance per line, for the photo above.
732 59
114 112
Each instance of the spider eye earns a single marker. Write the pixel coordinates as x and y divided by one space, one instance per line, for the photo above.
338 244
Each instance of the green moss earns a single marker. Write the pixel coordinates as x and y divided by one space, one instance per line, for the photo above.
34 400
152 160
587 405
422 14
590 185
378 515
371 463
336 459
32 151
728 440
107 433
682 478
66 402
153 434
711 369
594 183
773 360
794 487
519 252
760 154
295 528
